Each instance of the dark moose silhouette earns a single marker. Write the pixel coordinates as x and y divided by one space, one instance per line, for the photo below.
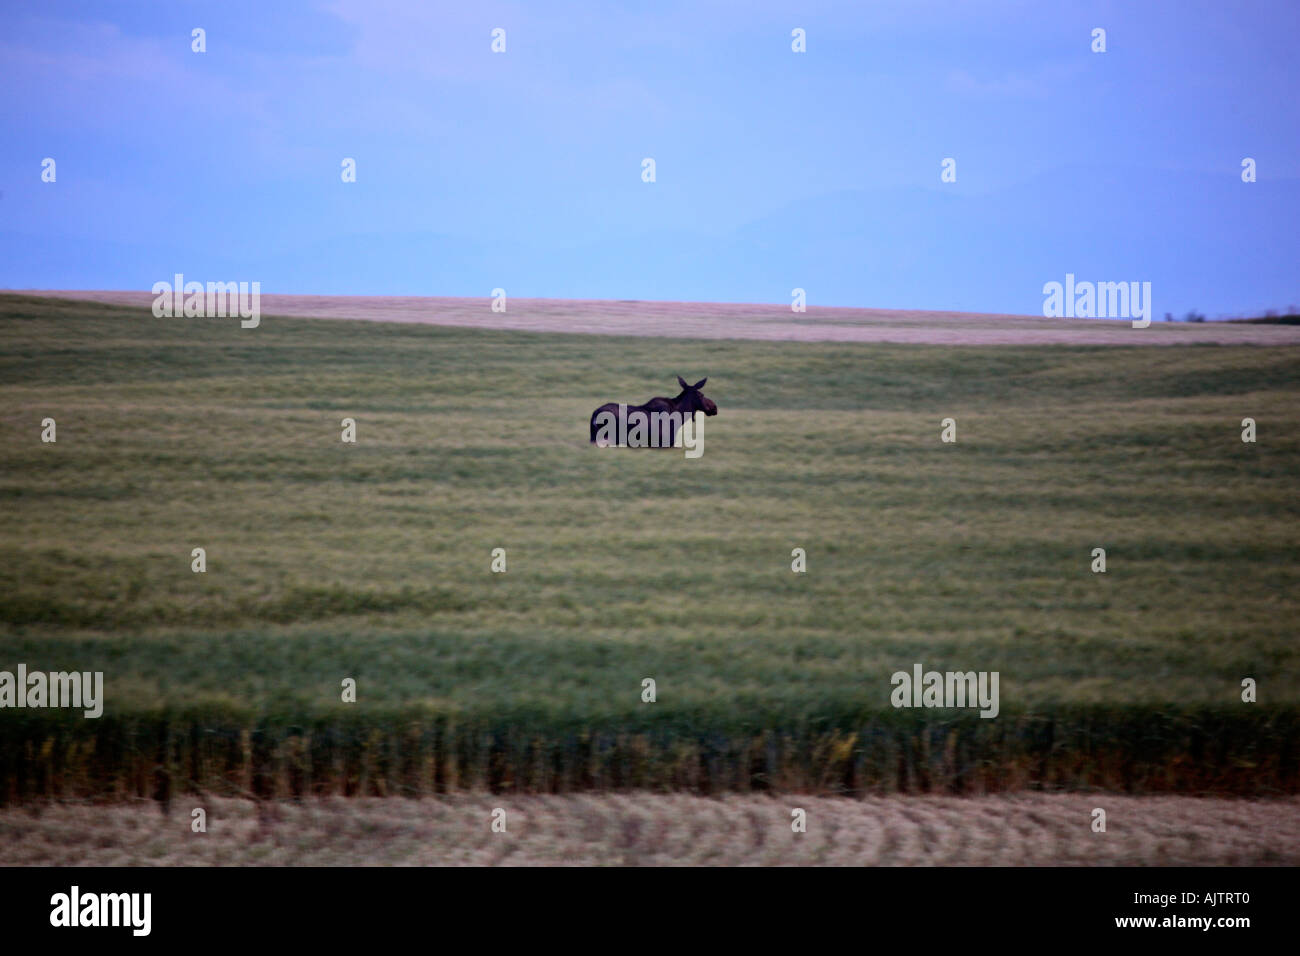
690 401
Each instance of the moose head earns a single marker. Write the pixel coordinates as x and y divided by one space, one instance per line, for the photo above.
692 400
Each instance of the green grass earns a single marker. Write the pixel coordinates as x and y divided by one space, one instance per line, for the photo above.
371 561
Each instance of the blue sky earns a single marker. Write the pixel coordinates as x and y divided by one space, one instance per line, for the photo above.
522 170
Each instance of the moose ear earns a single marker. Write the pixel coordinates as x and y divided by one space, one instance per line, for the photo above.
700 383
682 382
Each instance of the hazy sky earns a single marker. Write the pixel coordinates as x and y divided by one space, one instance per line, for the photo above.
775 169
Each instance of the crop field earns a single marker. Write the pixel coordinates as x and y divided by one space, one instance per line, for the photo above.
328 561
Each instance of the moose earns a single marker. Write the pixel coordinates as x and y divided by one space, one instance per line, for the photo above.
659 419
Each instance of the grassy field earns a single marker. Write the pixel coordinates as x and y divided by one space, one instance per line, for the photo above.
371 561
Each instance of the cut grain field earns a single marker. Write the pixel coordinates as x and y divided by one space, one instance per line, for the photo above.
663 830
745 321
371 561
